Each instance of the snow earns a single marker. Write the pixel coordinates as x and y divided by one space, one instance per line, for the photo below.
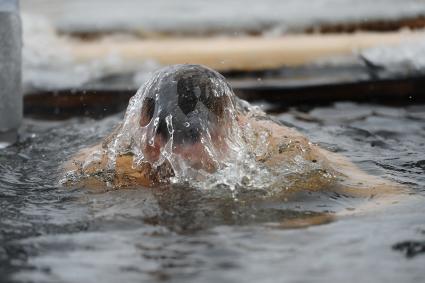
406 58
226 16
49 64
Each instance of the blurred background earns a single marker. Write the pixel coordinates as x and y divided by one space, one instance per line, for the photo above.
283 52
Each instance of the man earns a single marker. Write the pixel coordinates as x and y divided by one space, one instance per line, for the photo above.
185 124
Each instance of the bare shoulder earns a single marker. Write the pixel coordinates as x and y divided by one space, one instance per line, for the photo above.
91 165
86 160
284 144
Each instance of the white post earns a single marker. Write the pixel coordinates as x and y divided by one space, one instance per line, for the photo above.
10 71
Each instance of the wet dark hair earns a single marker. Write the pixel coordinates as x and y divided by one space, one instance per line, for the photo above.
196 98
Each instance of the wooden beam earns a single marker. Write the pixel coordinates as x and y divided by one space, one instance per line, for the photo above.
99 103
240 53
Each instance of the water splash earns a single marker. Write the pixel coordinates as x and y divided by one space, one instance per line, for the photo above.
185 117
187 126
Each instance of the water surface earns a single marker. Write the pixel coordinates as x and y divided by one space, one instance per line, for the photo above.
54 234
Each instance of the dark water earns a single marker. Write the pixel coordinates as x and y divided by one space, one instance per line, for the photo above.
54 234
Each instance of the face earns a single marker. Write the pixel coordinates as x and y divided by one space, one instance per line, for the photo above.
189 112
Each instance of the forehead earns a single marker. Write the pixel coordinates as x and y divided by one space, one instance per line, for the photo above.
187 87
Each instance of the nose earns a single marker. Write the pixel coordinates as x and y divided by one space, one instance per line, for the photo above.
197 156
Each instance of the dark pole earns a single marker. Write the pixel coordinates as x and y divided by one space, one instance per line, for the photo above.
10 71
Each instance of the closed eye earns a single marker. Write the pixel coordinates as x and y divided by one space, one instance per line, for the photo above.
148 110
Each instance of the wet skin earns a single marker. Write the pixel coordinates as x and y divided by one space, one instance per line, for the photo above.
282 145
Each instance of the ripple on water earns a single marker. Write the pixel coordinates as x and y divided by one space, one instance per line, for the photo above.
50 234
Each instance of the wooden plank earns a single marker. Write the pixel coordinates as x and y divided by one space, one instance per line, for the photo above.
244 53
406 90
98 103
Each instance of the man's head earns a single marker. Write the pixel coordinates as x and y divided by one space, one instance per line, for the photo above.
193 97
190 105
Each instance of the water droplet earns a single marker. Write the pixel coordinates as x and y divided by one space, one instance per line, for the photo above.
156 121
